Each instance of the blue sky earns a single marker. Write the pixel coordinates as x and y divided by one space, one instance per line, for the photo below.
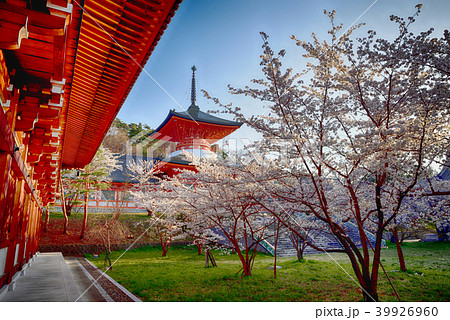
221 37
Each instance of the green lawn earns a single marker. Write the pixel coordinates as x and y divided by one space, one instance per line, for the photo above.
181 276
80 215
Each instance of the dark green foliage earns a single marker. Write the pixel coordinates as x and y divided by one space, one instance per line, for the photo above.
132 129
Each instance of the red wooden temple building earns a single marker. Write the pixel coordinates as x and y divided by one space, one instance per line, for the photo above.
66 67
193 131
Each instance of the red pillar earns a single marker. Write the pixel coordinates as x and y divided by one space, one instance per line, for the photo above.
5 168
21 230
16 193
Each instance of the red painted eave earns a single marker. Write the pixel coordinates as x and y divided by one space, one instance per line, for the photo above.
115 41
176 129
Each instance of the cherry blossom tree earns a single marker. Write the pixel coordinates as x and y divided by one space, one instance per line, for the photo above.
166 228
164 213
226 200
216 204
95 176
73 189
354 134
421 209
297 242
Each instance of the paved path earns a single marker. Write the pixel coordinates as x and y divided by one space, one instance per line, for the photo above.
84 282
48 278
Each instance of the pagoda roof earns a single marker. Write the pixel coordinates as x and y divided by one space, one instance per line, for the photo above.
194 114
193 123
194 119
170 166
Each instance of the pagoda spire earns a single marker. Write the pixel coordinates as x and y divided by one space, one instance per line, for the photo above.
193 93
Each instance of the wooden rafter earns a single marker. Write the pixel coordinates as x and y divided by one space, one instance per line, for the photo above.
115 40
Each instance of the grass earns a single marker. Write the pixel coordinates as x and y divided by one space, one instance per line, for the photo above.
182 276
80 215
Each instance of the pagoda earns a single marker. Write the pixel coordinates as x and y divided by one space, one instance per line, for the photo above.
193 131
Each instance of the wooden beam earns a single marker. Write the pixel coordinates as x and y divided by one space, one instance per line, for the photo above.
38 22
7 144
60 8
37 48
58 58
4 79
6 136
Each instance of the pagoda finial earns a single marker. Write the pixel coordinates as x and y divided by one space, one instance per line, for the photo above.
193 97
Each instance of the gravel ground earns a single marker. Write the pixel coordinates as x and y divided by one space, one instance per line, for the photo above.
111 289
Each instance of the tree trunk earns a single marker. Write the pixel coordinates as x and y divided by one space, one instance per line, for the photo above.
401 258
199 248
165 243
47 219
108 239
83 226
299 254
165 248
63 205
108 247
276 245
361 266
247 268
108 258
370 296
86 199
69 210
246 263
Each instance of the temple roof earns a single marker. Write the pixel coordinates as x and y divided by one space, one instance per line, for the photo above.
115 41
66 68
194 114
124 175
194 122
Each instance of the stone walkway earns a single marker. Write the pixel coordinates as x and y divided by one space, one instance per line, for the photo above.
48 277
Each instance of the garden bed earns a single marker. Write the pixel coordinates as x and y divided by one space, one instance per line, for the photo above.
70 243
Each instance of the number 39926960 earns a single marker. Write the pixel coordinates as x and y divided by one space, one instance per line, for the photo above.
404 312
